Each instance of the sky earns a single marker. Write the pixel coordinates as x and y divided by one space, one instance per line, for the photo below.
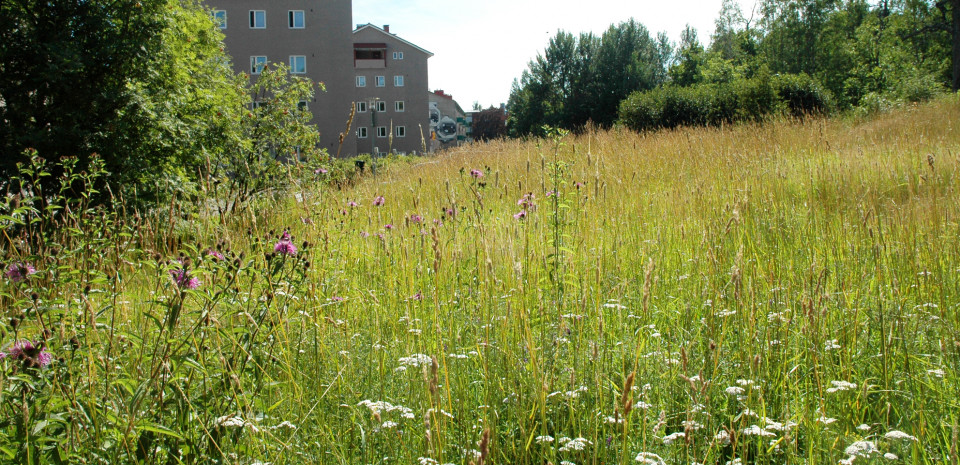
480 47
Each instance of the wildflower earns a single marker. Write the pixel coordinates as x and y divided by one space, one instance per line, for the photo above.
667 440
19 271
734 390
388 226
285 245
520 215
543 439
29 353
320 171
578 184
754 430
897 434
378 201
526 201
551 193
649 458
416 360
476 173
937 372
575 444
418 296
416 219
841 386
364 234
336 298
183 279
215 254
831 345
352 204
890 456
861 449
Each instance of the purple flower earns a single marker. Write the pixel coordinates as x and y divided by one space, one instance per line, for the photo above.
579 184
388 227
336 298
526 201
378 201
183 279
417 296
364 234
215 254
351 204
438 221
520 215
320 171
19 271
416 219
551 193
285 247
31 354
476 173
451 212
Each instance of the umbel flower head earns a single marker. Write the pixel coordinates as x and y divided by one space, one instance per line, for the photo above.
19 271
31 355
285 246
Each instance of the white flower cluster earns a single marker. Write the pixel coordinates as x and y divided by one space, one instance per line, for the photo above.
841 386
649 458
236 422
415 360
568 444
670 438
386 407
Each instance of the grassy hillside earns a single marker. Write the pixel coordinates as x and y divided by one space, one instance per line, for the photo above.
782 293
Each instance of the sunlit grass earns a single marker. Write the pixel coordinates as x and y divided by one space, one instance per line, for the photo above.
781 293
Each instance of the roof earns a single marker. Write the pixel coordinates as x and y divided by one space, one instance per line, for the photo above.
394 36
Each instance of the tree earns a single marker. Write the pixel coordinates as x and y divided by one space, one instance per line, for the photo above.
489 124
143 83
686 69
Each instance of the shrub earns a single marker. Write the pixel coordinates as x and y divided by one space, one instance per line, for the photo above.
802 94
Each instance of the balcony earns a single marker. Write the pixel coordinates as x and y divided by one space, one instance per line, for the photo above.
370 55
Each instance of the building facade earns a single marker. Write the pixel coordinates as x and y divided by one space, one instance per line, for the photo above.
313 38
448 126
390 92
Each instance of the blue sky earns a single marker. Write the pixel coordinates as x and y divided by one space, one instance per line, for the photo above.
481 46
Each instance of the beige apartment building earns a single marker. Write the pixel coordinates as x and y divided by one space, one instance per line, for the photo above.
314 38
390 88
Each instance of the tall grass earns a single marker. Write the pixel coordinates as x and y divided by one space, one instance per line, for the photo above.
777 293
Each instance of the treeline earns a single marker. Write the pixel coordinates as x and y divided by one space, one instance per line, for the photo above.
145 87
795 56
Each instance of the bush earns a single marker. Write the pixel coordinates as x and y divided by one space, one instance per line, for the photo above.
714 104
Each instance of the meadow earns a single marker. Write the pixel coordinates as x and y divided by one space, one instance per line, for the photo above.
773 293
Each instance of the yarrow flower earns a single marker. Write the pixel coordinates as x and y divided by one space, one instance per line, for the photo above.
476 173
19 271
285 245
378 201
183 279
32 355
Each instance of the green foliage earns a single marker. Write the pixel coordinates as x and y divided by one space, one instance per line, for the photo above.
721 103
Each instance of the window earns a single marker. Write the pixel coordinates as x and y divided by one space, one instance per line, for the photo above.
398 81
298 64
401 131
381 106
381 81
381 131
362 133
361 81
258 19
295 19
397 55
361 107
220 18
257 63
398 106
302 105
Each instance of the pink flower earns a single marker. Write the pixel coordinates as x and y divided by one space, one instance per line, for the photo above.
438 221
351 204
551 193
320 171
183 279
378 201
31 354
215 254
336 298
520 215
476 173
579 184
416 219
388 227
526 201
285 247
364 234
19 271
417 296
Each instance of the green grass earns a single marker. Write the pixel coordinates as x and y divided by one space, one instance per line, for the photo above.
777 259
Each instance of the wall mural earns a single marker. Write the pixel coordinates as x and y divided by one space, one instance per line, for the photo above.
443 126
